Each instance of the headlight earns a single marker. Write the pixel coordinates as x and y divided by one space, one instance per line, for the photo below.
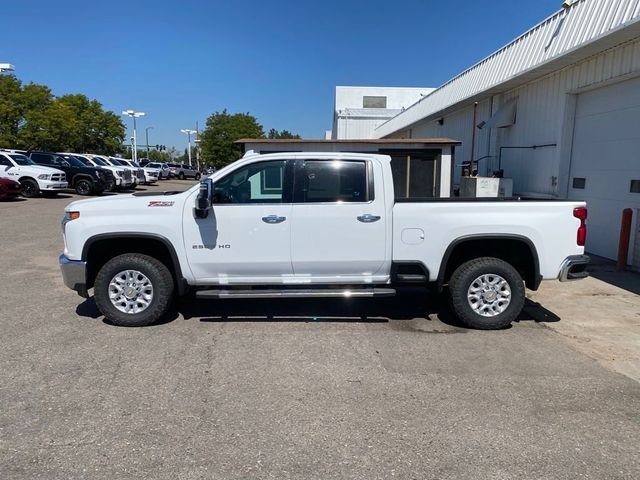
44 176
68 217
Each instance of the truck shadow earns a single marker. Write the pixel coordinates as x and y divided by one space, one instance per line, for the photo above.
411 305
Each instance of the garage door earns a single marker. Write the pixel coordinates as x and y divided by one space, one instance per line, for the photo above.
605 160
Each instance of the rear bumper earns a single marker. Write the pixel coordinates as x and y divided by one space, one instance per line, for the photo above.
74 274
574 268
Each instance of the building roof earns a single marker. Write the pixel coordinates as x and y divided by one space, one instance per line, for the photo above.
373 141
568 36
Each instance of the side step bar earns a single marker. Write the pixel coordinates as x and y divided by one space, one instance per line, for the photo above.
301 293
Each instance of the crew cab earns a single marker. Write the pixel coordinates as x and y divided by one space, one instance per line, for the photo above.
35 179
84 180
316 225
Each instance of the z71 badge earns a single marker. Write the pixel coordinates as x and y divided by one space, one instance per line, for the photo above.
159 203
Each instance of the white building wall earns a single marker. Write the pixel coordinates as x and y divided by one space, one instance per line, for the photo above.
397 97
545 115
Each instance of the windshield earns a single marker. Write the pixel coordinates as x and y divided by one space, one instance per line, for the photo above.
100 161
21 159
73 161
120 162
85 161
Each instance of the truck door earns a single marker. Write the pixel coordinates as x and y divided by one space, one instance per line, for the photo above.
339 225
247 236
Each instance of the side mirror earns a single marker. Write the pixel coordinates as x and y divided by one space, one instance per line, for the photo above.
203 201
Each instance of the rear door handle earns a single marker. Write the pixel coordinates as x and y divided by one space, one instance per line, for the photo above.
273 219
368 218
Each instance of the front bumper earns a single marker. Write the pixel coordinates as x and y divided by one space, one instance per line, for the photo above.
74 274
574 268
52 185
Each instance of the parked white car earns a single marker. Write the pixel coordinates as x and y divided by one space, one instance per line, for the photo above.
35 179
133 171
123 177
316 225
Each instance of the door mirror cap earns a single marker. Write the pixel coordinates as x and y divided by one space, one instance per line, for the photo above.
203 201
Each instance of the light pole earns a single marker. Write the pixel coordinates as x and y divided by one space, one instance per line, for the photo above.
188 133
6 67
133 114
146 134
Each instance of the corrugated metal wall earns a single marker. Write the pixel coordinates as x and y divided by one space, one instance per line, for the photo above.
567 29
543 115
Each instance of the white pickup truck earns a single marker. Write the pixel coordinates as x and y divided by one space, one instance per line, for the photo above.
315 225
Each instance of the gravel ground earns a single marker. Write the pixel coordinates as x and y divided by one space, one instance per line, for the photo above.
390 388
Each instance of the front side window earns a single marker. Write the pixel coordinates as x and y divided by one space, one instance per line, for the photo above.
22 159
336 181
261 182
41 158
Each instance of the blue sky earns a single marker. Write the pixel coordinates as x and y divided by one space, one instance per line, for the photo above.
278 60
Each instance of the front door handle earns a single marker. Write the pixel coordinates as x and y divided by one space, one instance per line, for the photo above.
273 219
368 218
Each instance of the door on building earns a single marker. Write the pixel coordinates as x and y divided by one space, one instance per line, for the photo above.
605 161
415 173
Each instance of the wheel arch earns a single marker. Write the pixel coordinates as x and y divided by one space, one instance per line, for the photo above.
517 250
100 248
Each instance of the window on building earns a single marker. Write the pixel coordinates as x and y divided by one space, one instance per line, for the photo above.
374 102
579 183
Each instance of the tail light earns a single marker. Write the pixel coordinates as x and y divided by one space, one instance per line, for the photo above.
581 214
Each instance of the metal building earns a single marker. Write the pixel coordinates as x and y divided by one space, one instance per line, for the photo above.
558 109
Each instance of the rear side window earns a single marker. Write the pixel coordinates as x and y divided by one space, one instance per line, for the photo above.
334 181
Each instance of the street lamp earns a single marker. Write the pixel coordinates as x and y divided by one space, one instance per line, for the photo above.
6 67
133 114
146 134
188 133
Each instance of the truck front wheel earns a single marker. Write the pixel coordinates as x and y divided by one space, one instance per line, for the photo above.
133 290
486 293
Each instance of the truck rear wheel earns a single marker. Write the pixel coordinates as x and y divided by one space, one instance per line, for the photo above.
133 290
486 293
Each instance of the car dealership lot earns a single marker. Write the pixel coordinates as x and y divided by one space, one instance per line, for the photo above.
291 389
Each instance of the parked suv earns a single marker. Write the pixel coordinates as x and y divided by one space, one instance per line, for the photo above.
84 180
162 167
184 171
34 179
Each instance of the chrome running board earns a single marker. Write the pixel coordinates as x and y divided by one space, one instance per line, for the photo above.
300 293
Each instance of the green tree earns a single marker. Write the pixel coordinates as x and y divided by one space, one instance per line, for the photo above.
221 130
282 134
32 118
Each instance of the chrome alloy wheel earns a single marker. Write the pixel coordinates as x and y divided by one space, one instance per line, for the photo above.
130 291
489 295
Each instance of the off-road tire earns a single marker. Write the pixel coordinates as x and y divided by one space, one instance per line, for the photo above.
83 186
462 279
30 188
154 270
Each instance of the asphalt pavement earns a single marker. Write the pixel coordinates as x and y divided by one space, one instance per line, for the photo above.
344 389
